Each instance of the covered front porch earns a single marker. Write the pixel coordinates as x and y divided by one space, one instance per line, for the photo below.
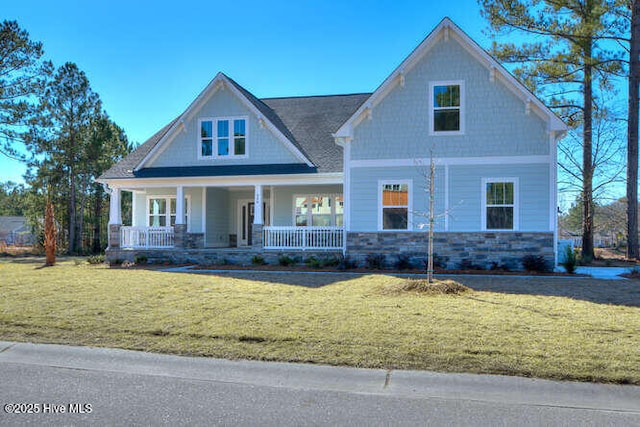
213 217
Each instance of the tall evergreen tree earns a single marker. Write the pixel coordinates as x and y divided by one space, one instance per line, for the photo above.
70 105
562 59
23 75
632 131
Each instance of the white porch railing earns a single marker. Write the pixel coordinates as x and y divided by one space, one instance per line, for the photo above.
303 237
146 237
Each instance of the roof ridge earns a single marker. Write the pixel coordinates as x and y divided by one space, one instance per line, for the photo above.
315 96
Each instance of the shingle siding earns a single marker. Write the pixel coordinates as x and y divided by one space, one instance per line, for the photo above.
495 120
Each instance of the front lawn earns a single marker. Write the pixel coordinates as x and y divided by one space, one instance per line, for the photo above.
342 320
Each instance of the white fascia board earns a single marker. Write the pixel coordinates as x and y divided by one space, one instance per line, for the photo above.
346 130
453 161
296 152
229 181
555 124
446 25
206 93
218 81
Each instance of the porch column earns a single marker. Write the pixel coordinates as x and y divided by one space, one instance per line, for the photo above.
180 205
258 220
115 218
180 228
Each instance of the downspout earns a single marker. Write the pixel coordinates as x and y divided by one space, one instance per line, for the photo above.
553 178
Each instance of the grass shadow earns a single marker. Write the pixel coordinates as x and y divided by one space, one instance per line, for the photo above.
290 278
612 292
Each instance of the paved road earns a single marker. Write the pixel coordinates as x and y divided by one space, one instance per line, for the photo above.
125 387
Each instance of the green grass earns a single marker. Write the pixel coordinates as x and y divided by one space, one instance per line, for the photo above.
350 320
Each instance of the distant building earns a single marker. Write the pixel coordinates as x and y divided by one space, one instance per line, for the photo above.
15 230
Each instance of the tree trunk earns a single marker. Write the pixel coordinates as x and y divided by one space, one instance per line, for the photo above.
632 134
81 203
49 235
587 157
97 220
432 196
72 213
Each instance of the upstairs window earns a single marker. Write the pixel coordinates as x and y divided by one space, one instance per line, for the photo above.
447 103
224 137
500 204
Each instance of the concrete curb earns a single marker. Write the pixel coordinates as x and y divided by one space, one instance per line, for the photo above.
406 384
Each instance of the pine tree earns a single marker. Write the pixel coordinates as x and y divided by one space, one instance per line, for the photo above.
563 61
23 76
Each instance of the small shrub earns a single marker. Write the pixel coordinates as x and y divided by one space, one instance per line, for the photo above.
346 263
496 266
313 262
286 261
467 264
375 261
141 259
403 262
570 261
116 262
330 262
257 260
634 273
439 262
535 263
96 259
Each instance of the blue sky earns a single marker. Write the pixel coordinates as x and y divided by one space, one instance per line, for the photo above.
149 60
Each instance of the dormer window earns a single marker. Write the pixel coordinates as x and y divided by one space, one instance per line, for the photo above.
223 137
447 108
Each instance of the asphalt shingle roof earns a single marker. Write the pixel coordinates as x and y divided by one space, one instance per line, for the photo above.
308 122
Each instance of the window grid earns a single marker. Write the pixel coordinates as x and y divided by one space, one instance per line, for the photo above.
223 137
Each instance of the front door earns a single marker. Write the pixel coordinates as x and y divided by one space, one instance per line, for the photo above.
245 220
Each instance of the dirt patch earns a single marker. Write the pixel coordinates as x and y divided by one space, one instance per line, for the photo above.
423 287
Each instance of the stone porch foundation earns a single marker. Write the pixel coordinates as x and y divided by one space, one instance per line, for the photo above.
212 256
480 248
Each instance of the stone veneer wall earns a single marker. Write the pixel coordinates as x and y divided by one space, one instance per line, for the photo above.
480 248
195 240
217 256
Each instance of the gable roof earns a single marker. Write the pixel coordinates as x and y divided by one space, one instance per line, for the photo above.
447 28
218 82
313 119
308 122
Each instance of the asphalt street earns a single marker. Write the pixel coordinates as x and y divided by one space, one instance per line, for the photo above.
60 385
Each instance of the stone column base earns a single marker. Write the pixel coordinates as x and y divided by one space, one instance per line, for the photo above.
114 235
180 235
256 236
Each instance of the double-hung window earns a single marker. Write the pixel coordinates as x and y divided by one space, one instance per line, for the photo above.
319 210
395 202
447 108
500 207
162 211
223 137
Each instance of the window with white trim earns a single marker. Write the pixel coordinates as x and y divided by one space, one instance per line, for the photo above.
162 211
223 137
318 210
447 107
500 204
394 205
